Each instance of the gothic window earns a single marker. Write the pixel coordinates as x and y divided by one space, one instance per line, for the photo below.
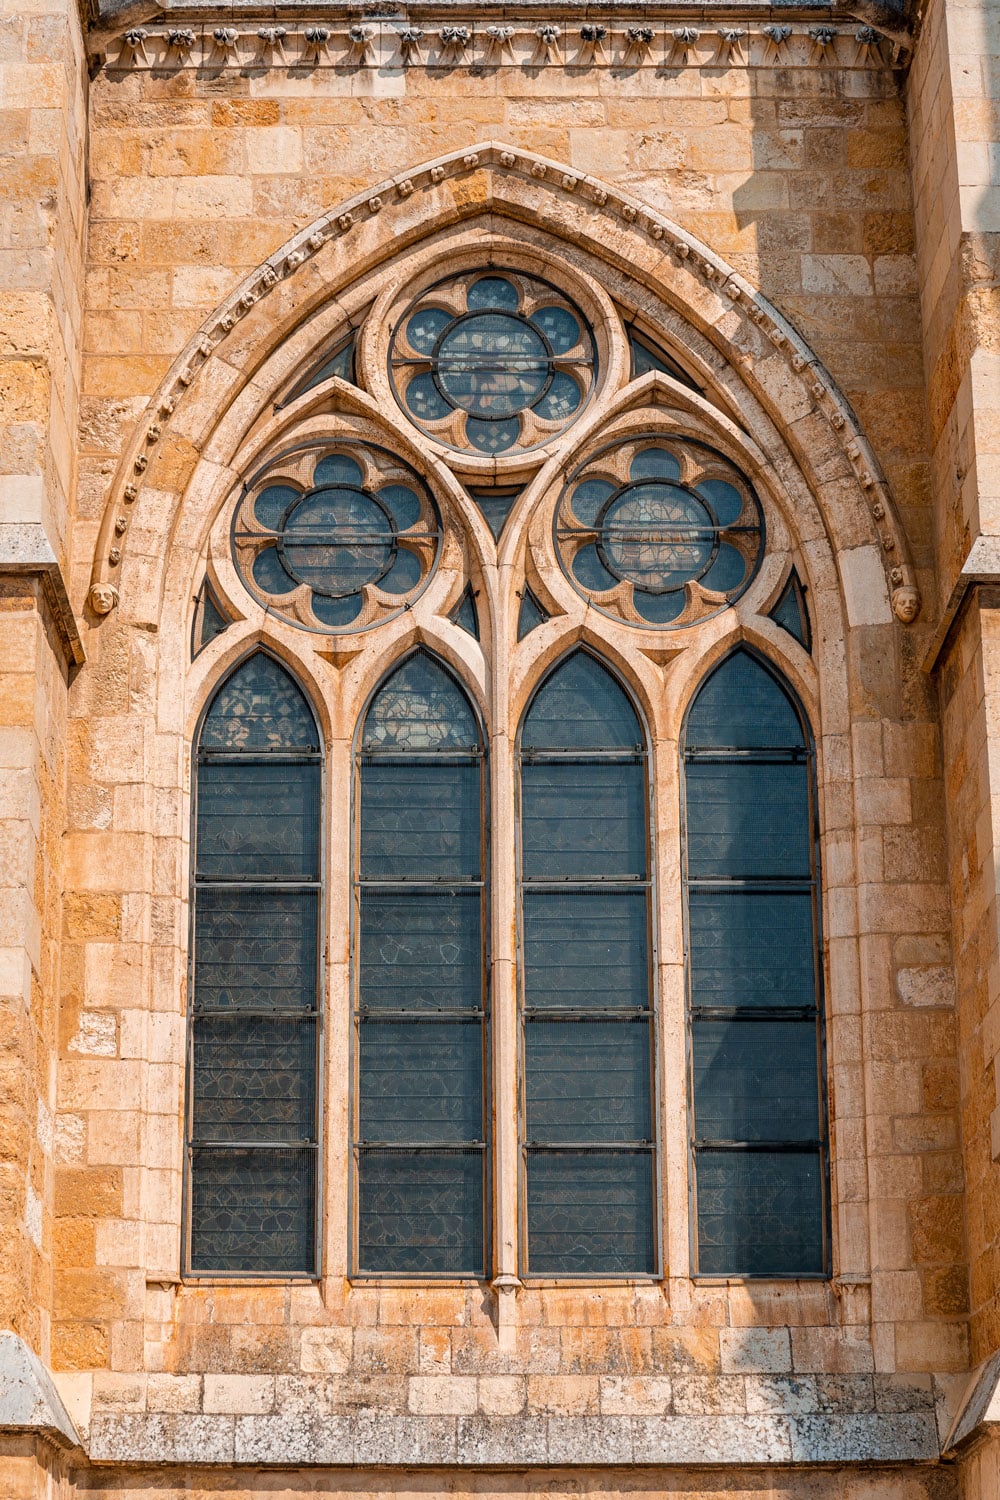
587 1045
420 975
254 1019
752 888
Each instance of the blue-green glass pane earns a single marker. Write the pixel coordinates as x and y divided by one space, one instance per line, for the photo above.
465 615
746 819
420 1213
420 707
337 540
492 437
657 535
654 463
530 615
492 291
742 705
425 400
255 949
561 399
659 609
590 1213
271 504
254 1079
791 614
492 365
586 949
421 951
337 612
496 507
727 572
269 575
725 500
421 1081
751 948
760 1213
253 1211
755 1080
402 503
425 328
583 821
645 359
338 469
341 363
209 621
588 499
581 706
258 821
587 1081
559 326
591 572
404 574
420 821
259 707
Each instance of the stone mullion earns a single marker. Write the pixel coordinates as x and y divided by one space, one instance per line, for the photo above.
503 952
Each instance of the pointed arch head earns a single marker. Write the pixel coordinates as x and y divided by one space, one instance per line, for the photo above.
581 705
258 706
189 447
420 706
745 703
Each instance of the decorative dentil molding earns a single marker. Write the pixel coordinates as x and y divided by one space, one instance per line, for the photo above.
687 251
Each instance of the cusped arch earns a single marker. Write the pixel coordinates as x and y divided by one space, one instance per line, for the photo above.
781 378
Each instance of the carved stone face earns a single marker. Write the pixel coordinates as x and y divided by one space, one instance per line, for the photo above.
103 598
906 604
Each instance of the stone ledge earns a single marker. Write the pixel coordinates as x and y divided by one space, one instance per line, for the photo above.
29 1402
371 1437
979 1408
25 551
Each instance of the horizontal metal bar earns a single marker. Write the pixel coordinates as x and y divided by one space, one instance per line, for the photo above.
623 1148
254 882
370 1013
445 1148
278 756
799 1148
573 884
576 1013
627 757
258 1012
216 1145
441 886
775 885
471 756
754 1012
763 755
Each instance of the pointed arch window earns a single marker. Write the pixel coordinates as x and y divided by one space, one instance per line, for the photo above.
420 976
588 1159
253 1100
758 1122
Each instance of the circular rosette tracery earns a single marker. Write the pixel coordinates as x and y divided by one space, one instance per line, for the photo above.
492 363
659 531
336 535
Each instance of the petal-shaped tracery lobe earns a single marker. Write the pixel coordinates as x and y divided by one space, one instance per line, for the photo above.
659 530
492 363
336 535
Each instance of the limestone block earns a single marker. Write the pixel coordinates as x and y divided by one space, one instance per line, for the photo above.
755 1350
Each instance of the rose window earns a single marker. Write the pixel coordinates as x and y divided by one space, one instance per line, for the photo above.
659 531
492 364
337 536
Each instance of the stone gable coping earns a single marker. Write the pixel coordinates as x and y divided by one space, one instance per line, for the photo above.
814 389
29 1401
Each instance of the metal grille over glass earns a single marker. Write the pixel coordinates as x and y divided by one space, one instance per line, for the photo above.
659 531
336 536
420 975
587 1038
253 1103
752 889
492 363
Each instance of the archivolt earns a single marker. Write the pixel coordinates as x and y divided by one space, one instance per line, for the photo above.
787 385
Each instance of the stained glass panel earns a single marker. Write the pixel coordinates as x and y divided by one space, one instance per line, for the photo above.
420 1213
590 1213
420 950
254 1079
587 1081
259 707
258 821
581 707
585 949
755 1080
255 949
791 613
421 1082
583 820
421 821
760 1213
253 1211
747 819
751 948
742 705
420 707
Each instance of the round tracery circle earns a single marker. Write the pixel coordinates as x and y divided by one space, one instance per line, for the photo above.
492 363
659 530
336 535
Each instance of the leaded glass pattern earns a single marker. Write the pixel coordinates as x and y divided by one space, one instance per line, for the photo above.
336 535
209 619
791 612
421 981
492 363
254 1022
659 531
588 1157
340 363
645 356
758 1125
